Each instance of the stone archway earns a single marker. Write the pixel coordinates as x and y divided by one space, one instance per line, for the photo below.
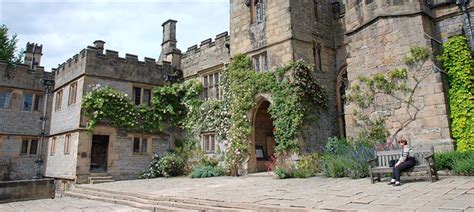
263 142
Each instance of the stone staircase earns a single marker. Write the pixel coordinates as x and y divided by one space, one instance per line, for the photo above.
100 178
154 203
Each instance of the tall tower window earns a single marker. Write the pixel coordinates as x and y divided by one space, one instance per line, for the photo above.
212 86
317 57
260 62
342 84
316 9
257 11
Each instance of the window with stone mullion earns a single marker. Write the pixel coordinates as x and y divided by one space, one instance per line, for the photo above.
5 98
209 142
27 102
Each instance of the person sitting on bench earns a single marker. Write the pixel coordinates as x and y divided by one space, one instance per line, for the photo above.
404 163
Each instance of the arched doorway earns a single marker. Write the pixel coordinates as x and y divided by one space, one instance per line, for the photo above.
263 145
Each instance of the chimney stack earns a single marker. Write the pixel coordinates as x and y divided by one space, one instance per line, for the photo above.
99 44
169 51
33 55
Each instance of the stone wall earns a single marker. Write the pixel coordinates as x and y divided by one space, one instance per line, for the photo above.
378 46
62 164
311 31
209 54
122 162
18 124
449 21
272 35
67 117
20 81
26 190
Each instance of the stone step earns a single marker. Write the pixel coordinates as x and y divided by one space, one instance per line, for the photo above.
152 200
100 181
195 201
101 177
123 202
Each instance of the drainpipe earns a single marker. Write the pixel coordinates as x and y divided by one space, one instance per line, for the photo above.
467 21
47 84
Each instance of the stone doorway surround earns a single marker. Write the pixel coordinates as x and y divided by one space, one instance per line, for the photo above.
262 143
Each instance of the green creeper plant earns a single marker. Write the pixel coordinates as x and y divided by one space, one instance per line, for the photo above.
458 62
294 95
173 104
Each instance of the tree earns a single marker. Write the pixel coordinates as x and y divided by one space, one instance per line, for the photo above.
8 47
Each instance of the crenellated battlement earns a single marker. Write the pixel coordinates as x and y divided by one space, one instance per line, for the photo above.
95 61
21 76
220 40
210 53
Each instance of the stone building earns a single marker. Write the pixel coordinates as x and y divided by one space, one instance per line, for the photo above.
343 40
23 125
77 154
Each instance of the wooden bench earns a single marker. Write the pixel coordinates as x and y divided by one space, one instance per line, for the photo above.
425 161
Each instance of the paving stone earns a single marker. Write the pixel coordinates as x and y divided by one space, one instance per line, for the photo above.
317 193
457 205
366 199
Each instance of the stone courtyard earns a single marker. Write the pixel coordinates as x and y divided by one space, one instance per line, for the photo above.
262 192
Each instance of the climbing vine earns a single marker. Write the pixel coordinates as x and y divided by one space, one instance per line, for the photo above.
294 93
458 62
175 104
390 89
295 96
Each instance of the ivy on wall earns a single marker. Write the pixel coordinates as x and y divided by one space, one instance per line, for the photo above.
458 62
295 96
175 104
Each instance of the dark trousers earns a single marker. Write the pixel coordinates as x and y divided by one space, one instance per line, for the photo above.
410 162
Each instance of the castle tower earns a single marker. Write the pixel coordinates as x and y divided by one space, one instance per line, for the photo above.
378 36
33 55
274 33
169 51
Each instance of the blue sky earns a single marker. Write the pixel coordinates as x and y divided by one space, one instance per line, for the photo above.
65 27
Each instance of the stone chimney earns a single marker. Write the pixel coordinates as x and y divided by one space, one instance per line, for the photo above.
33 55
169 51
99 44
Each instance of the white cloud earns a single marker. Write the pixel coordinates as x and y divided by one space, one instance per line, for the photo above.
66 27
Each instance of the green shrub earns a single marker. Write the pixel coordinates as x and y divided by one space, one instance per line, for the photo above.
464 166
336 145
170 165
151 172
345 159
202 171
307 166
446 160
283 173
333 166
